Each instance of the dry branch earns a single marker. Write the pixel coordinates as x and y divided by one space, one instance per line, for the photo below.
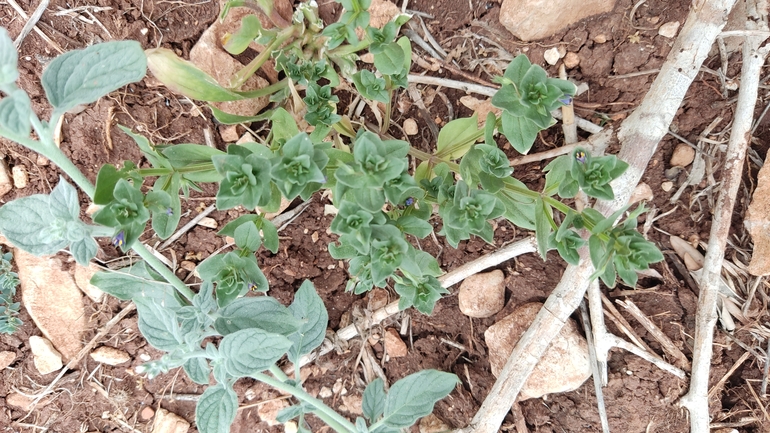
696 400
639 135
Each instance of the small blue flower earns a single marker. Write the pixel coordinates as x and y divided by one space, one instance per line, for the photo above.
252 286
409 201
580 156
566 99
169 212
119 239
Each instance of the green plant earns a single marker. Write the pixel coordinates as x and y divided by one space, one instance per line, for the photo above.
381 202
9 323
253 333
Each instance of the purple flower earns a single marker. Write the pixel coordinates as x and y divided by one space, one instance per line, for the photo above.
580 156
566 99
169 212
252 286
119 239
409 201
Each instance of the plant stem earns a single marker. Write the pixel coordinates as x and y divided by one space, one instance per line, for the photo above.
244 74
269 90
329 416
156 264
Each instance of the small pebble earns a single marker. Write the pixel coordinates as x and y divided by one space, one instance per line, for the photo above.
667 186
394 345
669 30
683 155
571 60
672 173
208 222
325 392
187 265
41 161
551 55
147 413
229 133
600 39
110 356
20 177
410 127
6 359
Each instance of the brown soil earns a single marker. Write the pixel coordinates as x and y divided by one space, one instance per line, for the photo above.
639 397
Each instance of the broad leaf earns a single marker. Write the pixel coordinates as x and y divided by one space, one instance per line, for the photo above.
15 112
390 61
260 312
135 281
159 325
83 76
520 131
250 351
9 72
374 400
413 397
216 409
457 137
309 309
26 222
198 370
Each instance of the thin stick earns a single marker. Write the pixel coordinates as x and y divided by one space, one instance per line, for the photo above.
766 370
640 134
665 342
596 372
696 399
720 384
45 37
568 114
31 22
553 153
508 252
187 227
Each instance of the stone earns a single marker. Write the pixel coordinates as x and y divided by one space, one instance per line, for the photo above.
433 424
208 222
167 422
229 133
353 403
394 345
147 413
565 365
571 60
110 355
41 161
530 20
410 127
642 192
757 222
669 30
20 177
325 392
6 184
683 155
482 295
378 298
23 402
82 276
46 358
268 411
290 427
600 38
667 186
551 56
63 322
187 265
6 359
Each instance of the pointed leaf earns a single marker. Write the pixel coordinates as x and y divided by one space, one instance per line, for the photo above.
250 351
309 309
215 410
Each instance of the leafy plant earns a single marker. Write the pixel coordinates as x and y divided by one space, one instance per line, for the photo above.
466 183
9 281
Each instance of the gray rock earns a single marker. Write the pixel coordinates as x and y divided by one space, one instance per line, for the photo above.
482 295
537 19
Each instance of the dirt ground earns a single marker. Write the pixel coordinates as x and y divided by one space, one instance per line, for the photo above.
618 61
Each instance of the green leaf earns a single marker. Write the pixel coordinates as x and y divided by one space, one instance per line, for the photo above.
457 137
198 370
135 281
165 221
15 112
240 40
413 397
309 309
234 119
250 351
414 226
148 150
189 153
158 324
184 77
284 127
64 201
373 403
9 72
520 132
84 250
261 312
542 227
370 86
216 409
83 76
247 237
27 223
517 68
270 236
390 61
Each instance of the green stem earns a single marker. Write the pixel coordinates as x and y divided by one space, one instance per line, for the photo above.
389 105
244 74
278 373
265 91
329 416
156 264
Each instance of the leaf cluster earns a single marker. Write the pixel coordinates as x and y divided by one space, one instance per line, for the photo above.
9 310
